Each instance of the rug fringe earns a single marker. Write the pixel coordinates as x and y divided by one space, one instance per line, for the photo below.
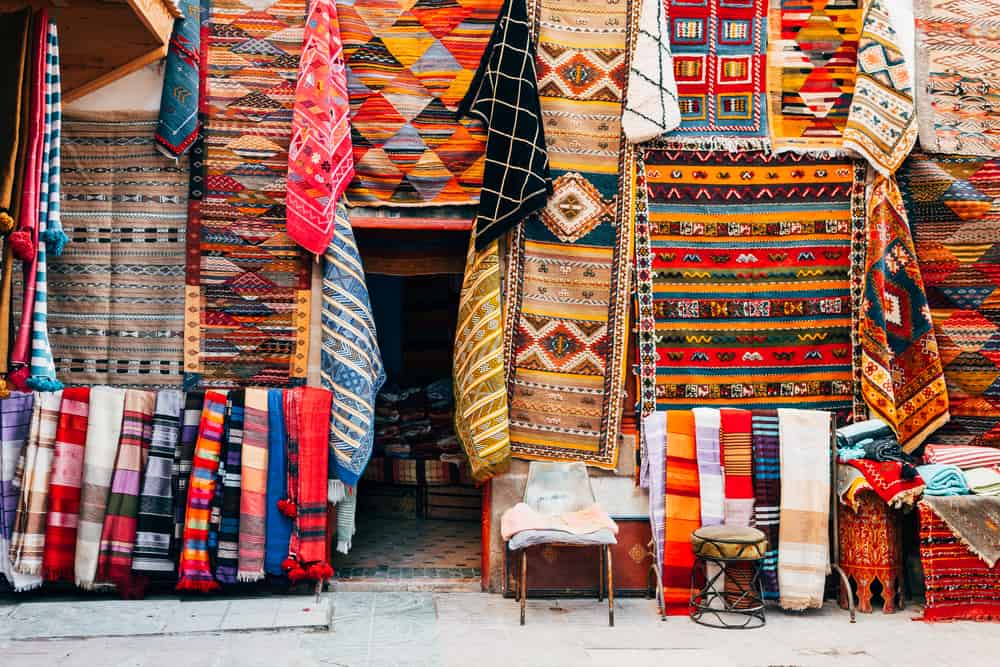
249 577
336 491
907 498
57 573
714 144
344 544
197 586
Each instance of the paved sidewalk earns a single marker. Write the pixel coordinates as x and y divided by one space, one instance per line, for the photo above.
474 629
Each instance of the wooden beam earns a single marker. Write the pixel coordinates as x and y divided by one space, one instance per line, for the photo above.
115 74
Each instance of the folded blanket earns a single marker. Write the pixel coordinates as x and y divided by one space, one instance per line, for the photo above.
943 480
871 429
850 483
887 480
521 517
963 456
984 481
973 520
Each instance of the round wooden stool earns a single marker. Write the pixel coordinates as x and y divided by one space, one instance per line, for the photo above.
729 558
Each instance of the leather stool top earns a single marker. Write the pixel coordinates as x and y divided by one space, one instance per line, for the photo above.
729 543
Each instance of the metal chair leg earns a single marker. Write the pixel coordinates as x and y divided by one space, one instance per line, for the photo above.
611 587
600 570
524 581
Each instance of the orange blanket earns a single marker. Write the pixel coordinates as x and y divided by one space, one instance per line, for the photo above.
683 512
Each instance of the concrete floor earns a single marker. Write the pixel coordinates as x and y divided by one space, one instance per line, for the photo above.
474 629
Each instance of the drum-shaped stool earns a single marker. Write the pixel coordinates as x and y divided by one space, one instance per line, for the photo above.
729 559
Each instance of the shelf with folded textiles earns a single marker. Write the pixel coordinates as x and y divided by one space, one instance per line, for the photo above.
103 40
431 219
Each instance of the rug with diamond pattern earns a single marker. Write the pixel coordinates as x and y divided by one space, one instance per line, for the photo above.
408 66
247 319
953 204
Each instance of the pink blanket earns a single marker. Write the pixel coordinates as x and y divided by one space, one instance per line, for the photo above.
521 517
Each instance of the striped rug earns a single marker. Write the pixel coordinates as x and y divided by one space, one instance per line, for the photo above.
116 294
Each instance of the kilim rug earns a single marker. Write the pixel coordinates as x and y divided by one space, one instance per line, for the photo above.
566 326
953 206
124 208
718 49
975 521
408 67
812 61
247 282
958 584
749 280
958 76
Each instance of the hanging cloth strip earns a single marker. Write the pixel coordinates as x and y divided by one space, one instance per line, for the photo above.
737 466
27 541
320 156
14 42
654 428
712 493
481 418
504 96
651 107
64 485
155 522
767 492
194 569
114 563
253 478
104 427
683 515
178 124
227 492
278 525
194 401
52 239
307 411
15 423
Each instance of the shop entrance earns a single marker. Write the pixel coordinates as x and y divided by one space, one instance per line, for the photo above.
419 513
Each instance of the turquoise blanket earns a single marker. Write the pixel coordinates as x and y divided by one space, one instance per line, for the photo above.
943 480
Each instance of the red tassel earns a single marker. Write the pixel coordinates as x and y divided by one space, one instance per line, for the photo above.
289 564
22 245
288 508
19 378
320 571
296 575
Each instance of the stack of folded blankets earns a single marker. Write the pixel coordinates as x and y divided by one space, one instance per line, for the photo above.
871 458
952 470
416 422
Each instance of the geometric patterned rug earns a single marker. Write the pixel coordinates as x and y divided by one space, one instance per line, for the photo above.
953 204
248 282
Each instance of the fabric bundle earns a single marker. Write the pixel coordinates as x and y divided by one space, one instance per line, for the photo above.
253 483
16 411
737 465
712 494
194 402
963 456
114 563
504 96
155 518
64 485
307 412
320 161
177 126
227 491
886 478
803 534
194 570
278 525
682 513
767 492
654 428
942 479
27 540
984 481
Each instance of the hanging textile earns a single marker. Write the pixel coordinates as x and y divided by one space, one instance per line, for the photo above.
194 402
804 532
752 301
504 95
245 277
682 511
155 519
707 422
767 492
953 207
116 299
958 60
718 49
194 569
737 464
104 427
654 429
114 563
320 160
27 540
351 363
307 411
15 423
64 485
278 526
253 480
481 418
15 41
811 70
227 491
177 125
566 325
651 107
410 64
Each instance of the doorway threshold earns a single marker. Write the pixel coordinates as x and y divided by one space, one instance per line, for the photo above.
409 579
